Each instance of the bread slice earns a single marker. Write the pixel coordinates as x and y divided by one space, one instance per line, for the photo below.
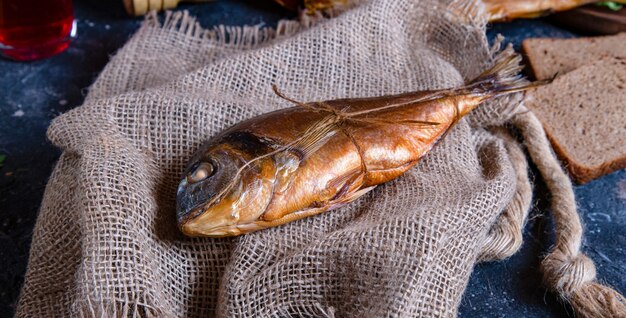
549 56
584 115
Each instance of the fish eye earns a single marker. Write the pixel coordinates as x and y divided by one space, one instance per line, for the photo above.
200 172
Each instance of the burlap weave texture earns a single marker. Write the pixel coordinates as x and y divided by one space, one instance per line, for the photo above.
106 242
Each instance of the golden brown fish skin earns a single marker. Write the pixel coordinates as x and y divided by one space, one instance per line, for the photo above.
360 155
301 161
505 10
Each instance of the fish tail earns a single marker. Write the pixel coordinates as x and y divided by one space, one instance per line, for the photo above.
503 78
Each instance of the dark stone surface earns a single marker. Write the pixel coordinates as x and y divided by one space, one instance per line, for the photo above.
34 93
512 288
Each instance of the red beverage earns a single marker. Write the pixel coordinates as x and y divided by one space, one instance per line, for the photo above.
34 29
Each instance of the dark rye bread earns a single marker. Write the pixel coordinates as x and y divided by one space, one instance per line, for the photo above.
584 115
547 56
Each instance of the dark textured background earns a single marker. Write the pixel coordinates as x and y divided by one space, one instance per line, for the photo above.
31 94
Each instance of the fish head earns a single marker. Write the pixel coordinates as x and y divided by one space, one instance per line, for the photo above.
226 188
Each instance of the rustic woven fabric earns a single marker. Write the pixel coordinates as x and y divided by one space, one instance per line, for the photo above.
106 242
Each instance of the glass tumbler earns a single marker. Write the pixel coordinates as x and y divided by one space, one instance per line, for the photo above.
35 29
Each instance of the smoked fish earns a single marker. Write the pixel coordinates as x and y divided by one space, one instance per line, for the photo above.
317 156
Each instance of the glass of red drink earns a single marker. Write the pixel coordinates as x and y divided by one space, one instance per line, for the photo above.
34 29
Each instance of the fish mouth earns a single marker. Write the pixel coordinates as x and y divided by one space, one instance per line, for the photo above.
201 222
216 232
193 228
188 207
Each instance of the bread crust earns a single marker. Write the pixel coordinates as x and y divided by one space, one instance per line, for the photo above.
580 173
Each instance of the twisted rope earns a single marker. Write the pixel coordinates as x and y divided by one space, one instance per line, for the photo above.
567 271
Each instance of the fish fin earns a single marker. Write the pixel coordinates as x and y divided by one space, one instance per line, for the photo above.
314 137
503 78
288 158
350 197
344 183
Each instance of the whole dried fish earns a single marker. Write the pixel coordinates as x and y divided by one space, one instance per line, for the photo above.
316 156
504 10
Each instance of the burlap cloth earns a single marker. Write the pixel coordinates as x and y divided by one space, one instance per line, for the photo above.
106 242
